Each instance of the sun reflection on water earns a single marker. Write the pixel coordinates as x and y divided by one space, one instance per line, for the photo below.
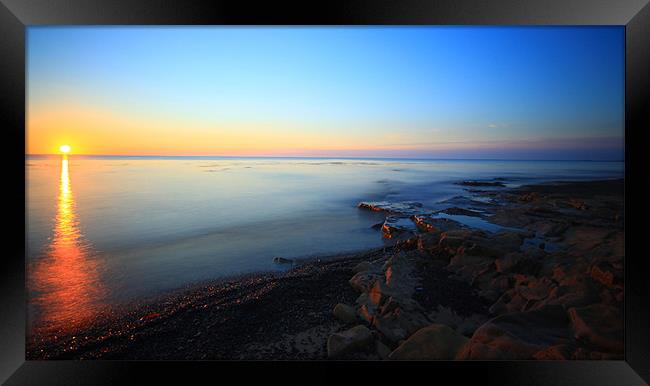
65 281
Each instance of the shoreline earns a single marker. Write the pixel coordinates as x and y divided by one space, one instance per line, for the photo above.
477 294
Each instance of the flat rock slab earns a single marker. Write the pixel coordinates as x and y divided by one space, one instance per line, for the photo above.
404 208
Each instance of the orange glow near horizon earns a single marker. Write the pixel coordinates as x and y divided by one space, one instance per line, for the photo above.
96 131
66 279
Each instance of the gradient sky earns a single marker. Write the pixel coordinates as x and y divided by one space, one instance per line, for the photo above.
421 92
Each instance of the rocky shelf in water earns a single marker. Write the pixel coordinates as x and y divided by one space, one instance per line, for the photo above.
547 284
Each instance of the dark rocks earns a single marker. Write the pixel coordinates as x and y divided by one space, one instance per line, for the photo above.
600 325
404 208
382 350
546 263
395 226
506 263
399 324
428 223
606 274
348 341
519 335
428 242
363 281
433 342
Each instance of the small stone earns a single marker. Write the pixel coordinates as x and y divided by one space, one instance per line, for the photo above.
344 313
282 260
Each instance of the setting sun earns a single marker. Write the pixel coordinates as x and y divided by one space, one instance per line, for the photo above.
64 149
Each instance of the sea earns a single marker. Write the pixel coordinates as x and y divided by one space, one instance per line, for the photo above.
108 230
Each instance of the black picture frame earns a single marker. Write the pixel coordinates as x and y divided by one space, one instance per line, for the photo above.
15 15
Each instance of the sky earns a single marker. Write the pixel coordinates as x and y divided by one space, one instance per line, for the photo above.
413 92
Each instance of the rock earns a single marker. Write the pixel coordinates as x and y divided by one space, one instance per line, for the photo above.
454 238
363 281
490 295
367 313
395 226
463 325
362 299
600 325
467 267
436 341
606 274
344 313
469 325
428 242
407 304
535 289
500 283
529 197
574 291
518 335
377 293
509 301
446 316
404 208
399 324
282 260
398 279
508 262
362 266
377 226
427 223
552 229
348 341
382 350
584 238
577 204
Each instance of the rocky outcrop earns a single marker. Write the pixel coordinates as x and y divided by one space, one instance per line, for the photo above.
553 280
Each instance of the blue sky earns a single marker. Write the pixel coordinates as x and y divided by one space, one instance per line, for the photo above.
432 92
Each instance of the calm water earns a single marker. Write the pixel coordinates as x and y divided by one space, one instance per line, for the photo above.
103 231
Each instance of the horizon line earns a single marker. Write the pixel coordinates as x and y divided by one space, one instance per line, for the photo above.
326 157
